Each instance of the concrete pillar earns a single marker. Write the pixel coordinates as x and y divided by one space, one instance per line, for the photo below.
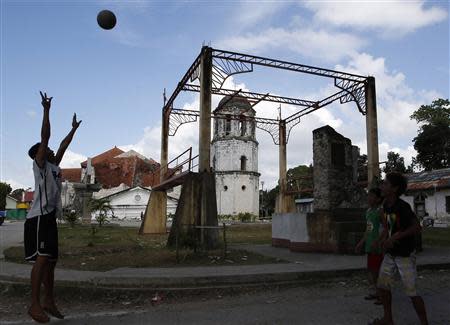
164 144
205 110
204 143
282 197
156 211
371 131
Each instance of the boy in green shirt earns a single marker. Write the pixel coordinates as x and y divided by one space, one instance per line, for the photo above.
370 241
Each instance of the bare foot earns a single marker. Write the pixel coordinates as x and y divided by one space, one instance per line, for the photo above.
36 312
52 310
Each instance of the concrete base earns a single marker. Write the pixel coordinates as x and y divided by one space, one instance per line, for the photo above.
335 231
155 214
197 205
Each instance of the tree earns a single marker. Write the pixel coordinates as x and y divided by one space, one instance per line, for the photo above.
395 163
433 140
433 146
5 189
437 112
101 206
17 194
300 179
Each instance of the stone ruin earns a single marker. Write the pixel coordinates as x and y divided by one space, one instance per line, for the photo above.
338 222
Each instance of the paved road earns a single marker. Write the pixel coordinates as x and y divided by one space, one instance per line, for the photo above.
11 234
334 302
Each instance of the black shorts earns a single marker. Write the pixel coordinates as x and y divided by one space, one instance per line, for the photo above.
41 237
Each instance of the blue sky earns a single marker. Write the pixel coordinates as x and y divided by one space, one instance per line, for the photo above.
114 79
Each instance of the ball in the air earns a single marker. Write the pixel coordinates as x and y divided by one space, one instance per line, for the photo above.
106 19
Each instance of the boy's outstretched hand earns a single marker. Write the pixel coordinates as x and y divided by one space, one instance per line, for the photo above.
75 124
46 102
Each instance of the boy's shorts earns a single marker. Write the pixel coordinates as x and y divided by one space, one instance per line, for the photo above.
374 262
41 237
406 267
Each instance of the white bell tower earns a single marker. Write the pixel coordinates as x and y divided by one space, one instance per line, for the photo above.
234 154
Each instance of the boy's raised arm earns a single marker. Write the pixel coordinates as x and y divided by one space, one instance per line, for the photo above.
45 130
67 140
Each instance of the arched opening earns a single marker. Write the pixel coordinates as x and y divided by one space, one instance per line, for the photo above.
228 125
243 163
242 125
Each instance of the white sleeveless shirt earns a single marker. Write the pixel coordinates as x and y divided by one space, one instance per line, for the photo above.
47 191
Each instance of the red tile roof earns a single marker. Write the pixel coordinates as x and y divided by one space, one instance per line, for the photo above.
72 175
103 156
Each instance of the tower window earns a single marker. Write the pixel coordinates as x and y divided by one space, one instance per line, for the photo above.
243 187
243 163
225 188
216 126
242 125
228 125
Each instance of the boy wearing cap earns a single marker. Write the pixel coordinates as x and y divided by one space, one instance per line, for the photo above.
40 229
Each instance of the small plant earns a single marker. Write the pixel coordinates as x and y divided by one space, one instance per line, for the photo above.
71 217
101 206
101 219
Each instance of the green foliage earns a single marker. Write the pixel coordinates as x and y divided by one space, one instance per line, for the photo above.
433 140
436 113
395 163
433 146
240 217
5 189
71 217
102 207
300 179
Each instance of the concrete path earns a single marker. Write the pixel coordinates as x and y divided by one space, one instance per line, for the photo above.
11 234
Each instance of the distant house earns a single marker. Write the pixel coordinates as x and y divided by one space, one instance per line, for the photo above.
11 203
304 205
112 169
130 203
429 192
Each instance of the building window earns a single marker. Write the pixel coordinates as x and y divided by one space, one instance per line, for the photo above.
243 187
242 125
137 197
243 163
214 162
225 188
447 204
228 125
216 126
338 154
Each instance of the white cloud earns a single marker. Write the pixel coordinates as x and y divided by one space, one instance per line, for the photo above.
31 114
72 159
391 18
14 184
247 14
314 43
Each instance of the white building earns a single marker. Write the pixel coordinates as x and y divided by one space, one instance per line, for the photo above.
129 203
429 192
234 155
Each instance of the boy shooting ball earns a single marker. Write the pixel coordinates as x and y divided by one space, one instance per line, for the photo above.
40 229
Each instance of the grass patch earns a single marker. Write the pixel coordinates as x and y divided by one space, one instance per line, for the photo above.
110 247
439 237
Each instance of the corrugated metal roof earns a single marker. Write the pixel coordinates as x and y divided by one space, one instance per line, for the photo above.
439 178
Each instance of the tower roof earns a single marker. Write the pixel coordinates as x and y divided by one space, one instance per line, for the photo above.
229 101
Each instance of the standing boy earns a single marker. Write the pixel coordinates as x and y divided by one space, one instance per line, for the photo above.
40 229
371 243
399 245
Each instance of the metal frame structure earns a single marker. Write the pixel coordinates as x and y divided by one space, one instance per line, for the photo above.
225 64
213 66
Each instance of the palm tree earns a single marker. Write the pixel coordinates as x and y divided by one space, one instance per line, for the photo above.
102 206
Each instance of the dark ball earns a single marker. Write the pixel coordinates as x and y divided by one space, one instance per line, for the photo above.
106 19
